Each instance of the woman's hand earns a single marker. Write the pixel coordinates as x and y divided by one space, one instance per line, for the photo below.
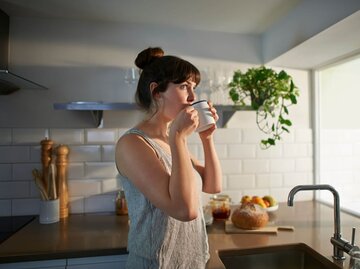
208 133
185 122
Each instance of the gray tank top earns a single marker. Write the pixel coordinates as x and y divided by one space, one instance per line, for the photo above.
157 240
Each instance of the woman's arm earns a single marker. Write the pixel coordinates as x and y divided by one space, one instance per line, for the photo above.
211 172
176 194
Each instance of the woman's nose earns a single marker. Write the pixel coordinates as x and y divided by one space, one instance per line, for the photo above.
191 96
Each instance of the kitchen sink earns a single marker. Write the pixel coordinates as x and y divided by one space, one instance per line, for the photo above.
294 256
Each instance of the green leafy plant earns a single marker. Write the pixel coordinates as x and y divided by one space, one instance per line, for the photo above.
270 94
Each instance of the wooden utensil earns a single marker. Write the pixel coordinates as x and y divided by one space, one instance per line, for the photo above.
39 183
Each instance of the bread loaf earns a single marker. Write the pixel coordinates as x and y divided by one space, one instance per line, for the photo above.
249 216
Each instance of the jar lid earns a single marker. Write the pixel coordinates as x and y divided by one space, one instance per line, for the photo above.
221 197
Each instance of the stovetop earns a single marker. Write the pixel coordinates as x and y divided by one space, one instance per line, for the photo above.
12 224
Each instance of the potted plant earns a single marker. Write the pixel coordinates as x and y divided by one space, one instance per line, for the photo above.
270 94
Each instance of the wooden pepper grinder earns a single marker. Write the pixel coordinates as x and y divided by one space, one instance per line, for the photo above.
62 153
46 158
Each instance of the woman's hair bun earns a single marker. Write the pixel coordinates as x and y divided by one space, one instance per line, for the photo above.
147 56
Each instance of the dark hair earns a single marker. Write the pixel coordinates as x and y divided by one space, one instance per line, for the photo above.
155 67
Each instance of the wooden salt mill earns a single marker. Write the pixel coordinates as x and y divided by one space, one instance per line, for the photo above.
46 158
62 153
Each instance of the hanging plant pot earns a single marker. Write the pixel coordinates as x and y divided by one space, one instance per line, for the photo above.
269 94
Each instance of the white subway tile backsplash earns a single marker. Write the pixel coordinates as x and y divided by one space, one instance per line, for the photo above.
231 166
271 180
14 154
221 150
110 185
270 153
17 189
28 136
303 135
35 154
77 205
21 207
252 136
256 166
85 153
223 135
293 179
304 164
67 136
241 151
23 171
5 172
92 174
100 170
101 136
282 165
287 138
296 150
5 136
5 207
239 182
84 187
76 170
100 203
108 153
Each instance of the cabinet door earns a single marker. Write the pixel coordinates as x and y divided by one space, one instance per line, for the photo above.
50 264
100 262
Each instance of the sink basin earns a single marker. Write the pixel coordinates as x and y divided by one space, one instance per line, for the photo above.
295 256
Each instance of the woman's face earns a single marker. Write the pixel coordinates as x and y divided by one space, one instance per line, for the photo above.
177 97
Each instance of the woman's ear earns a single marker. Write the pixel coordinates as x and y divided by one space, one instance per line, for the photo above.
153 86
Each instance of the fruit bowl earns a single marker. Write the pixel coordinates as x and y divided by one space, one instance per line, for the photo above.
272 208
267 202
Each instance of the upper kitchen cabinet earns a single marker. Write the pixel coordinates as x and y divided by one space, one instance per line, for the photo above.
80 50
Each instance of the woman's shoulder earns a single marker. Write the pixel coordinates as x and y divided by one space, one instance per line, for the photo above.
133 140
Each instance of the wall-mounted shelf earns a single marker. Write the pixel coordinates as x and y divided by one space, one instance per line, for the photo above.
225 112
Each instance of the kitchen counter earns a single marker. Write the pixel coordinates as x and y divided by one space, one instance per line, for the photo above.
106 234
74 237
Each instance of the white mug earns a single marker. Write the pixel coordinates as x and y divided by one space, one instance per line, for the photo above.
206 119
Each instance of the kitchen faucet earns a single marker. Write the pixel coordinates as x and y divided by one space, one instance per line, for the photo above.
340 244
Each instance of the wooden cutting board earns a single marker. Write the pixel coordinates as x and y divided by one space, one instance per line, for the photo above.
230 228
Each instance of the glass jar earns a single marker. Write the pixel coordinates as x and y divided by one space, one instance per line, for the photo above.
121 205
220 206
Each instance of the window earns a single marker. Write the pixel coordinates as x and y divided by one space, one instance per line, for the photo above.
337 127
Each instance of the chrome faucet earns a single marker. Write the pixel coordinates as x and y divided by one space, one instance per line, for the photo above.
340 245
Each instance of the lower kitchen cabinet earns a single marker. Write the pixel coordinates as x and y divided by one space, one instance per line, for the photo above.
100 262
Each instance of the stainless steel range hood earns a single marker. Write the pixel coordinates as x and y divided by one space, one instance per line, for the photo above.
9 81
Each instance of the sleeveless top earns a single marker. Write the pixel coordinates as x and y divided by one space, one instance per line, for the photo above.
155 239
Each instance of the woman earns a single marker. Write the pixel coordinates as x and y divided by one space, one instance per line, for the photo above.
167 228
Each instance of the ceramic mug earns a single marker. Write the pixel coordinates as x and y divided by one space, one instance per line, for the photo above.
206 119
49 211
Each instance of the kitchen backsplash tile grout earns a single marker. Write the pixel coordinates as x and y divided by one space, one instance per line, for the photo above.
93 181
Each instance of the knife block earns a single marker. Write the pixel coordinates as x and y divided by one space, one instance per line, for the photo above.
62 153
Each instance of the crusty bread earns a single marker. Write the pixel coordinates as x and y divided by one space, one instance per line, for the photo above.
249 216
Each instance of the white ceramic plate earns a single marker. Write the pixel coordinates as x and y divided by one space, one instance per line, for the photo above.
272 208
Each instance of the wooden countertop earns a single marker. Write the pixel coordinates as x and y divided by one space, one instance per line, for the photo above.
106 234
